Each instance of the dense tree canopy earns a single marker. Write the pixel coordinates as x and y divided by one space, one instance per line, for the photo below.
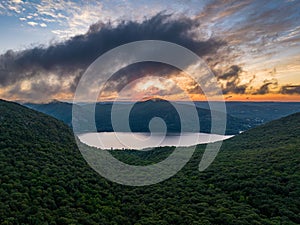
255 179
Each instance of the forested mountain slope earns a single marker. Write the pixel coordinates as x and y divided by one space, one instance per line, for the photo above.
255 179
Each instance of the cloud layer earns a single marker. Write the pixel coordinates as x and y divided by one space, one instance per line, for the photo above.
252 46
66 61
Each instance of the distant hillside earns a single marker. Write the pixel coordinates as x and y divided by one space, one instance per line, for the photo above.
59 110
141 114
257 113
255 179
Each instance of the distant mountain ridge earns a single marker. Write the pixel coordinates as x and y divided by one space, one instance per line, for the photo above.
257 113
240 116
141 114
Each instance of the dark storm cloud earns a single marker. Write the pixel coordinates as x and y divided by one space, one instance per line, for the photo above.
267 87
231 84
264 89
69 59
290 89
231 78
233 73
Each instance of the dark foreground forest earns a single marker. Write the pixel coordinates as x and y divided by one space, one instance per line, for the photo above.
255 179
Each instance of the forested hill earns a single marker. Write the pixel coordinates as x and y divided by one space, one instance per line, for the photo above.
44 179
20 125
255 179
241 116
142 113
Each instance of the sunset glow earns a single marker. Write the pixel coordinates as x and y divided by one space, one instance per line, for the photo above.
251 47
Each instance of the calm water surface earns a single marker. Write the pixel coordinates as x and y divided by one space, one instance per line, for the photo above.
120 140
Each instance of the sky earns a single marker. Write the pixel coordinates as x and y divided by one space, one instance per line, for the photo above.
251 46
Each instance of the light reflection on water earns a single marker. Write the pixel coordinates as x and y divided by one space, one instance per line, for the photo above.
123 140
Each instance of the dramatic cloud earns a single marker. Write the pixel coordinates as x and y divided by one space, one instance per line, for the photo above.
241 41
290 89
261 35
268 87
231 81
69 59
